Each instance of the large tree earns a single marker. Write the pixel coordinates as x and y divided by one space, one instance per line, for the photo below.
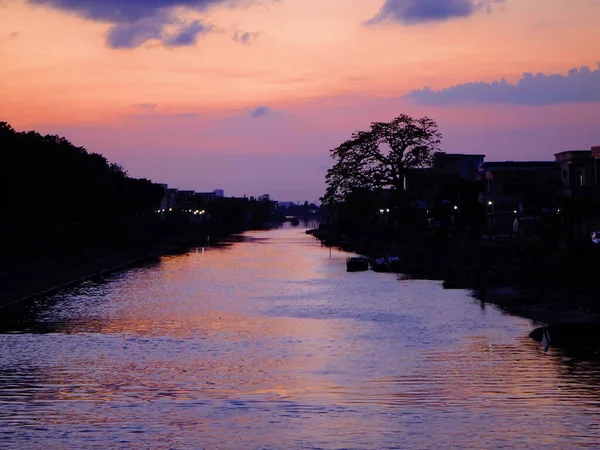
380 157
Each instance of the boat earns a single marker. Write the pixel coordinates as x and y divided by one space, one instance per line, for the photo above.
388 264
295 221
357 264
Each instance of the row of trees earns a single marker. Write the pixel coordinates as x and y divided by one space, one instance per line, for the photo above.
48 178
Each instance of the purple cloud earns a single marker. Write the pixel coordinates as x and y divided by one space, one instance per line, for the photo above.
135 22
260 111
124 10
412 12
135 34
577 86
244 37
188 34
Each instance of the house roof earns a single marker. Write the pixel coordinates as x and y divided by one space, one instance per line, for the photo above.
517 165
460 155
575 152
432 171
573 156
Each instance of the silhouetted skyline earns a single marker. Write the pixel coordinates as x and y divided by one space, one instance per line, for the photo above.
250 96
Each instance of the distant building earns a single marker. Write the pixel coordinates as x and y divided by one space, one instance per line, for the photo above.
506 185
458 164
211 196
447 167
577 169
186 199
506 182
596 157
184 196
207 196
169 199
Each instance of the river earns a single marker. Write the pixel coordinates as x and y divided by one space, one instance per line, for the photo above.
269 343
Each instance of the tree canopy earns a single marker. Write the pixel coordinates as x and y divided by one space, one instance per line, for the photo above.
380 157
48 177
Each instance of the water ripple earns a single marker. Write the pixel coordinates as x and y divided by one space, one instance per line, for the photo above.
270 343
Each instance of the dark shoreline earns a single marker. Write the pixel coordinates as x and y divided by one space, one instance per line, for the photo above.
551 286
28 279
66 276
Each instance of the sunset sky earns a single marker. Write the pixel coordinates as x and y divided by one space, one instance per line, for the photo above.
249 95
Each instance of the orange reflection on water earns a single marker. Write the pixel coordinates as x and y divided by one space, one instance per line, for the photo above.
274 340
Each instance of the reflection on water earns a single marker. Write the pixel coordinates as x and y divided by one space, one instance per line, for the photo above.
270 343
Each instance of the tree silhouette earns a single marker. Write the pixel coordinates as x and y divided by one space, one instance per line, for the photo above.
379 158
48 178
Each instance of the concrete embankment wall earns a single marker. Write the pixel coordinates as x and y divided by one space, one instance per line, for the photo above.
44 276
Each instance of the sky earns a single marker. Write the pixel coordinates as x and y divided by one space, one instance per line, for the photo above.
250 95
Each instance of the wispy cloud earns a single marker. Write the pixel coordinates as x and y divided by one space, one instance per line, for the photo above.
412 12
244 37
146 106
187 35
10 36
577 86
260 111
153 111
135 34
135 22
187 115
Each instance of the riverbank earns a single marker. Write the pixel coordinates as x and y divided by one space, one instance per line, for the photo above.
34 274
36 277
551 285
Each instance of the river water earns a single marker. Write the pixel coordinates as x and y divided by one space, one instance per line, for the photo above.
269 343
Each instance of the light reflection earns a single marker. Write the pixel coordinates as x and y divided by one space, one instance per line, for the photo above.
273 340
